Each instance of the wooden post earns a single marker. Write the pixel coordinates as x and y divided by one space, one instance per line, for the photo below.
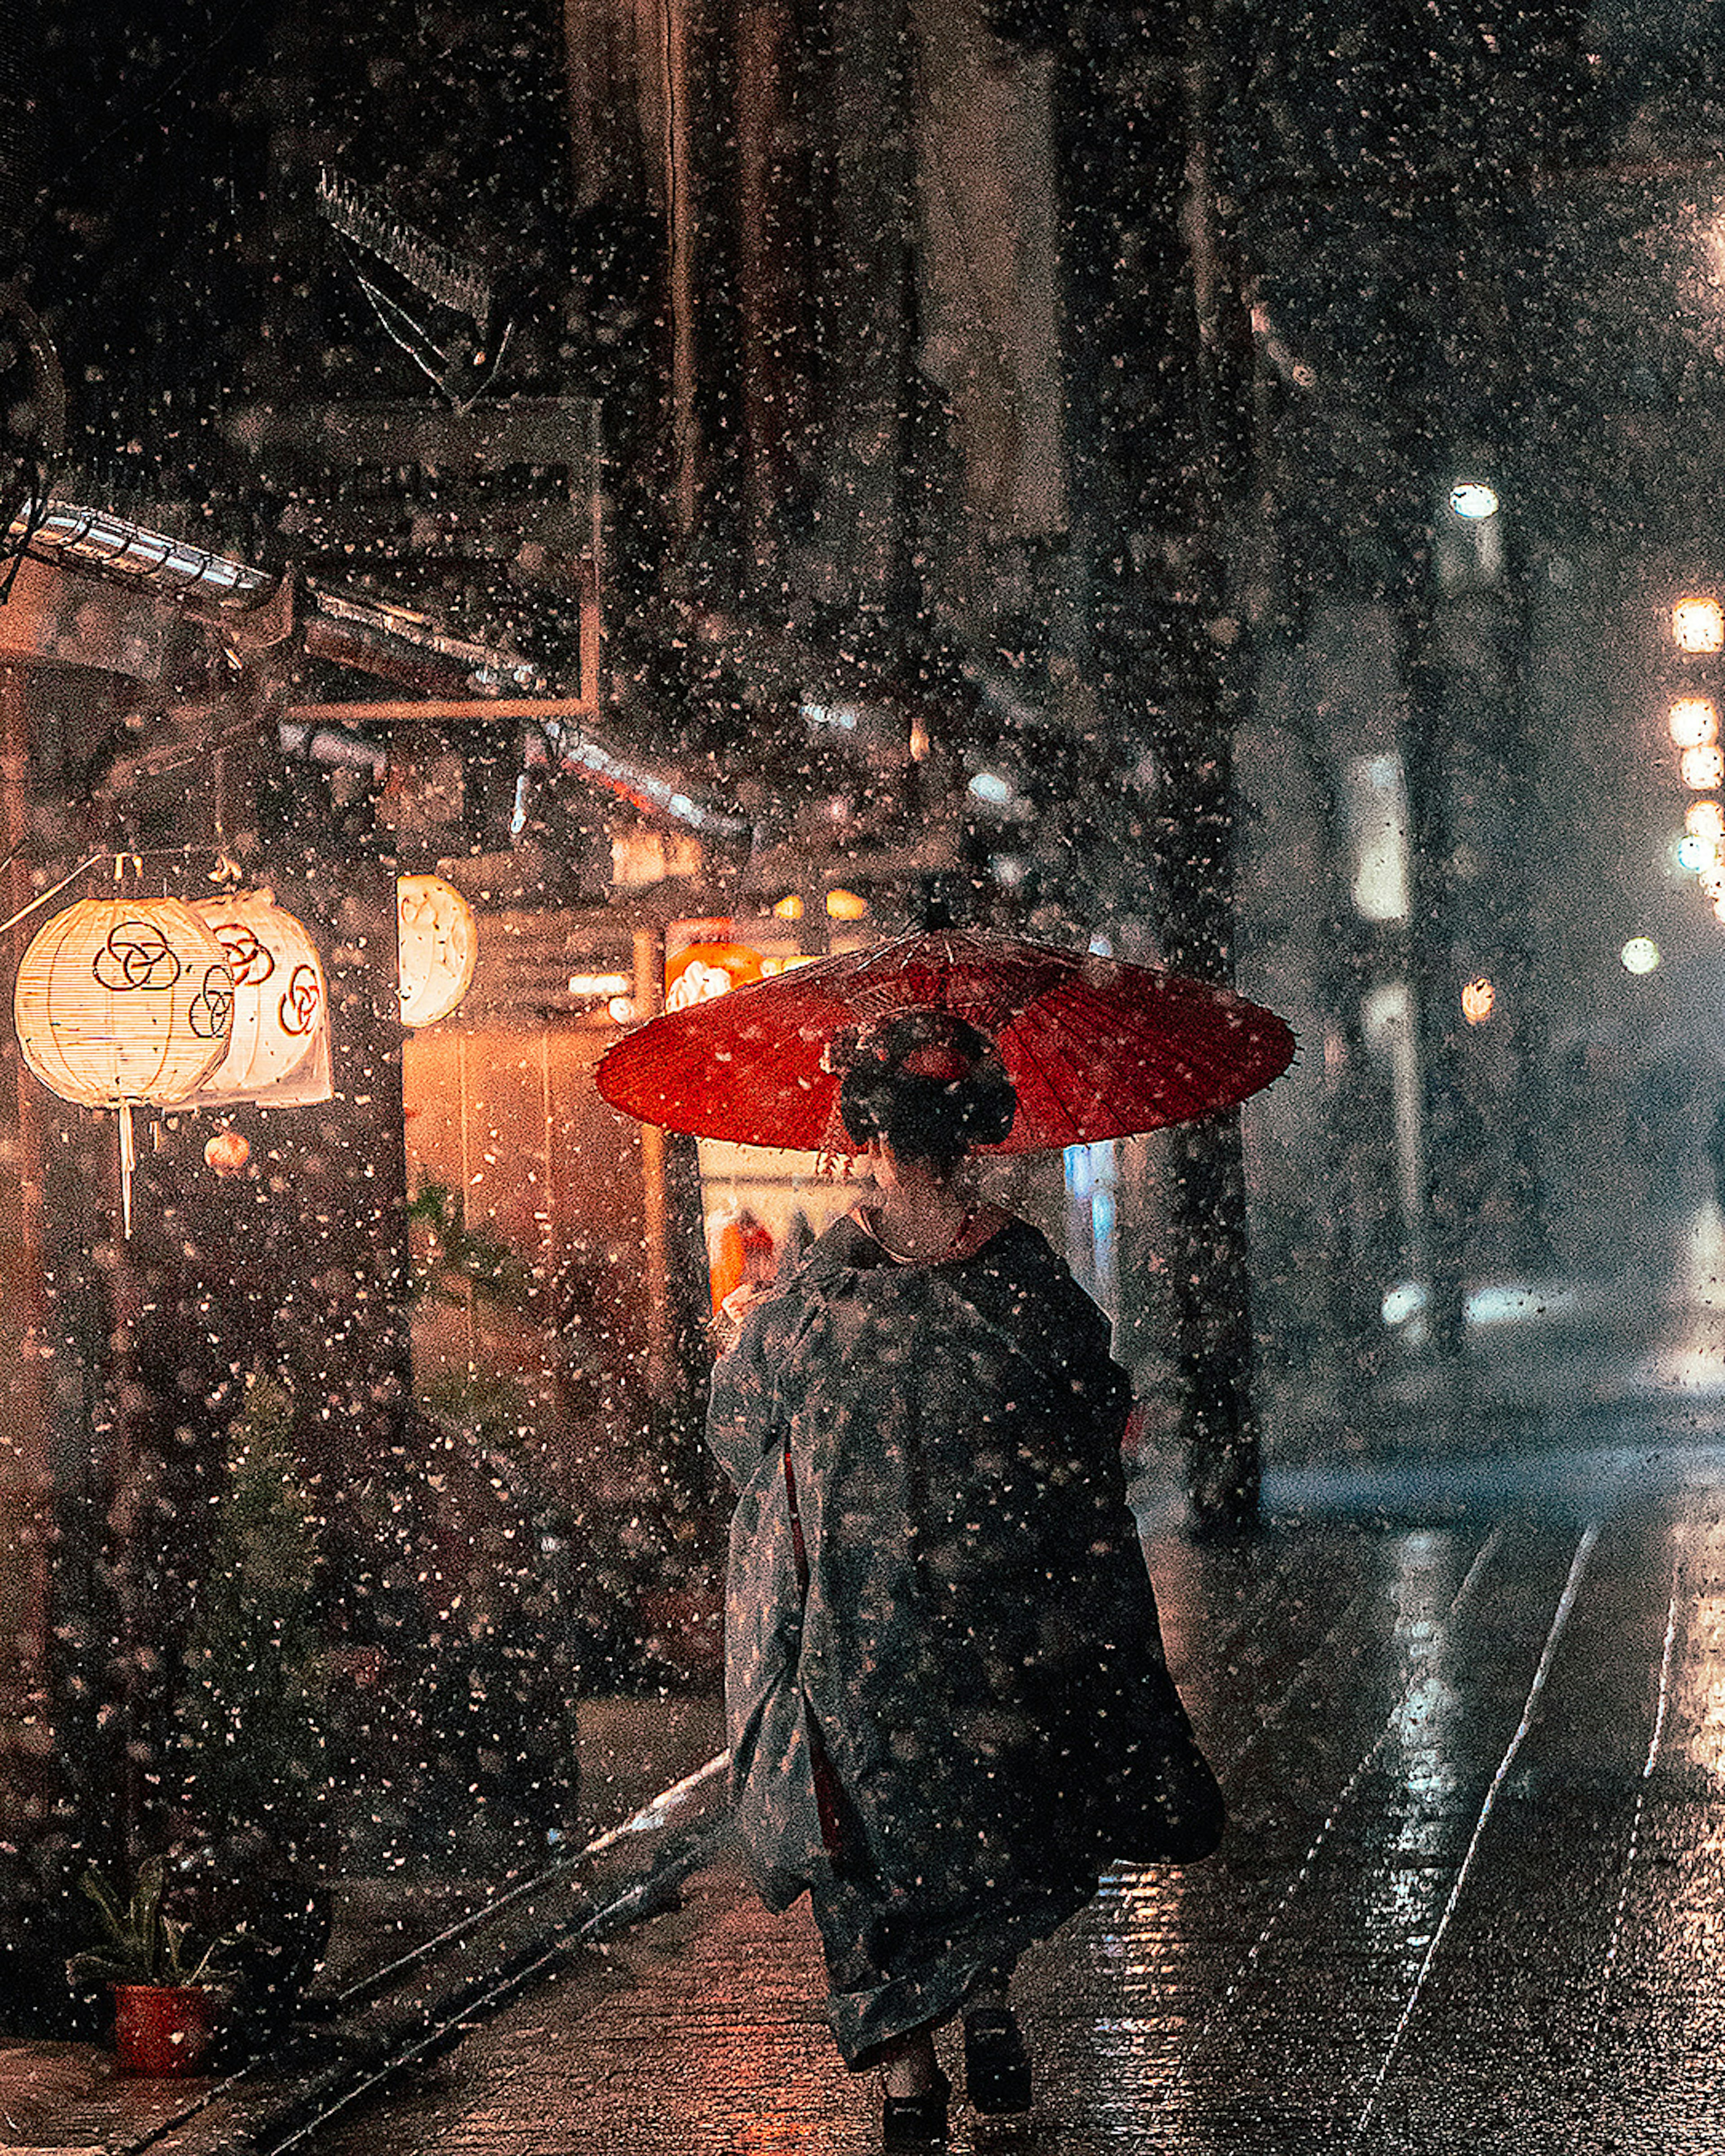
661 1322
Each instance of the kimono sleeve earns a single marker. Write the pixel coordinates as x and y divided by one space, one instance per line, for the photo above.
740 1417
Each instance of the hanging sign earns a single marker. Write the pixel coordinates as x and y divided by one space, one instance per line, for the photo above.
437 948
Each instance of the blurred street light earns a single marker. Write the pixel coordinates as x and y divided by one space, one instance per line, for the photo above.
1473 499
1698 625
1693 722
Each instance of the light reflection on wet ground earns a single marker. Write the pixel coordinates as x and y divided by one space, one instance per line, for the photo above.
1473 1896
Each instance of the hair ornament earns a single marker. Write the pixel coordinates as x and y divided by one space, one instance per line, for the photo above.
939 1060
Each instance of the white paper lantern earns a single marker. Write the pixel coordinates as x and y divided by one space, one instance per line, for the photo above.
279 1051
437 946
122 1002
124 999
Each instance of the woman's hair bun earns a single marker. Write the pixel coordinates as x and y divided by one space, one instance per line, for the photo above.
929 1084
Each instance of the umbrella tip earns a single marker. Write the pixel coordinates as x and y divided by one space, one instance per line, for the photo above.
933 907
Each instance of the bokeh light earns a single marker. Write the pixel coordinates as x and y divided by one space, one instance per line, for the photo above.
1474 500
1698 623
1693 722
1702 767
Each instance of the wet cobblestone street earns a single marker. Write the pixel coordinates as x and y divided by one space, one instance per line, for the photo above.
1470 1899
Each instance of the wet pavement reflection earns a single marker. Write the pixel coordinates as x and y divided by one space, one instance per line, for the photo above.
1471 1899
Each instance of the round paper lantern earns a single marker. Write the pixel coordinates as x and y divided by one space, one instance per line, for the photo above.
123 1002
437 944
279 1049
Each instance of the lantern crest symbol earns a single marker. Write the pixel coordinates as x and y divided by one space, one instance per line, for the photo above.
299 1004
135 956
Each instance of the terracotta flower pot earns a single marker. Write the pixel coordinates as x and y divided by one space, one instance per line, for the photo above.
160 2029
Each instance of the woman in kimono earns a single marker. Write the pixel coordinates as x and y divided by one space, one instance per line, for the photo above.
948 1708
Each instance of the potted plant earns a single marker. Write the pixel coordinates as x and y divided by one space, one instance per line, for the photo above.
161 1977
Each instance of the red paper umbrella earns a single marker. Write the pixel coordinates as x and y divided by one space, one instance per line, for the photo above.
1096 1048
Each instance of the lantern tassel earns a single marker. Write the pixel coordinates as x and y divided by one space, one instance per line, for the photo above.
128 1160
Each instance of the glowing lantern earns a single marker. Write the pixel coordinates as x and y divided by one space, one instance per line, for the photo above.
704 970
1479 999
437 945
122 1002
740 1250
279 1051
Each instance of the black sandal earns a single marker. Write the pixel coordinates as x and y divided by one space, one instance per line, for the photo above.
913 2122
997 2070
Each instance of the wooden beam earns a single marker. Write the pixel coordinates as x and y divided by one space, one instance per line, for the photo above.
433 709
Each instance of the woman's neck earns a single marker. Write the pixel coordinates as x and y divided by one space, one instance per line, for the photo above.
919 1215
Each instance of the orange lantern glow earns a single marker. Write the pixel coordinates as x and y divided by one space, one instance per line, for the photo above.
704 970
122 1002
740 1251
279 1051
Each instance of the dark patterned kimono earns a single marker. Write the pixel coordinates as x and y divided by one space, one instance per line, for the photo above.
967 1716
